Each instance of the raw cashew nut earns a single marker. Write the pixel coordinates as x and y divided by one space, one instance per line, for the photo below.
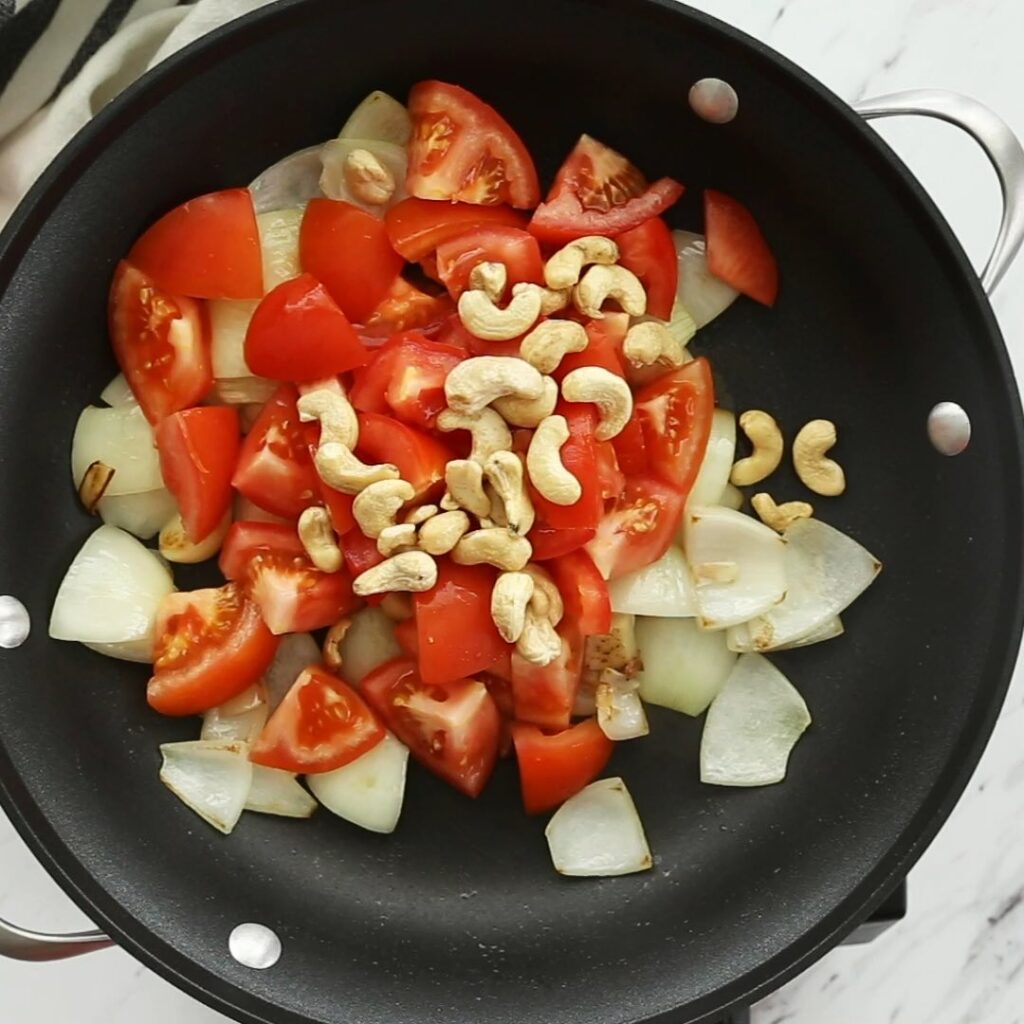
778 517
465 481
421 514
816 472
551 301
332 643
548 343
600 283
544 463
474 383
339 468
317 536
766 438
377 505
448 503
528 412
496 517
392 539
608 391
510 598
652 343
337 418
410 571
493 546
489 278
175 545
367 178
564 268
483 319
488 430
440 534
546 599
539 643
504 472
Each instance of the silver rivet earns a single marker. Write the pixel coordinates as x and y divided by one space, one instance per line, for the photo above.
255 946
15 624
714 100
949 428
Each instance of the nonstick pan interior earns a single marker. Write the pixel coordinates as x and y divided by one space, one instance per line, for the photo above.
459 916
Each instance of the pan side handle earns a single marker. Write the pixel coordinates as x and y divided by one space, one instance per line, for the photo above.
21 944
995 137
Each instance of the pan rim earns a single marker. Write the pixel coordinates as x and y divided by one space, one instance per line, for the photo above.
948 786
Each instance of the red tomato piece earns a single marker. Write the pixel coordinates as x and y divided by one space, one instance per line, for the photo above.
611 477
639 529
648 250
604 347
515 248
359 552
408 638
452 727
275 470
299 333
416 227
554 768
207 248
321 724
348 251
455 632
420 458
675 412
294 597
544 694
550 543
339 507
737 250
198 451
159 343
630 447
599 192
210 646
248 538
463 149
404 308
579 456
584 593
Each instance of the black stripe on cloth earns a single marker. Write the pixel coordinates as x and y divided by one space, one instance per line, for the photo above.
103 28
21 33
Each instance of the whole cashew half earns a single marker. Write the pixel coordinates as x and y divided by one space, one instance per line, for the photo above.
601 283
474 383
539 642
484 320
493 546
486 427
490 278
778 517
441 533
510 598
464 479
411 571
528 412
504 472
317 536
377 505
549 342
564 268
652 343
338 422
339 468
367 178
608 391
818 473
544 463
766 439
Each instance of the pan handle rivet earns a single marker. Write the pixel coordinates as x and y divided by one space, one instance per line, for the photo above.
15 624
713 100
949 428
254 945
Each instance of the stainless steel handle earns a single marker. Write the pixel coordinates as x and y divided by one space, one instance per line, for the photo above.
20 944
994 136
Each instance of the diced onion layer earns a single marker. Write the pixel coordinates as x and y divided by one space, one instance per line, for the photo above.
242 718
295 652
380 117
213 778
292 181
713 477
369 642
278 792
117 392
229 320
334 183
141 514
620 712
279 240
122 438
702 294
663 588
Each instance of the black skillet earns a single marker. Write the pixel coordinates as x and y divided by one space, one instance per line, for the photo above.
459 917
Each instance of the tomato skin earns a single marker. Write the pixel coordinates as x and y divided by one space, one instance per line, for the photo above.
275 470
416 227
455 632
452 728
648 250
198 451
604 347
463 149
348 251
299 333
554 768
407 637
675 412
404 308
248 538
517 249
321 724
420 458
579 456
584 593
160 344
551 543
631 448
738 252
210 646
544 694
207 248
339 507
359 552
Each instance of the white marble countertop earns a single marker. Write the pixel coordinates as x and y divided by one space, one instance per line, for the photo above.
958 958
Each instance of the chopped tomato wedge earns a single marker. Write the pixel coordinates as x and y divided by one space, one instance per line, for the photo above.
207 248
321 724
452 727
159 344
299 333
611 477
584 593
348 251
554 768
406 377
579 456
463 149
648 250
248 538
417 227
339 508
420 458
359 552
404 308
675 412
517 250
604 347
549 542
210 646
599 192
275 470
737 250
639 529
544 694
456 634
198 451
407 637
630 447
